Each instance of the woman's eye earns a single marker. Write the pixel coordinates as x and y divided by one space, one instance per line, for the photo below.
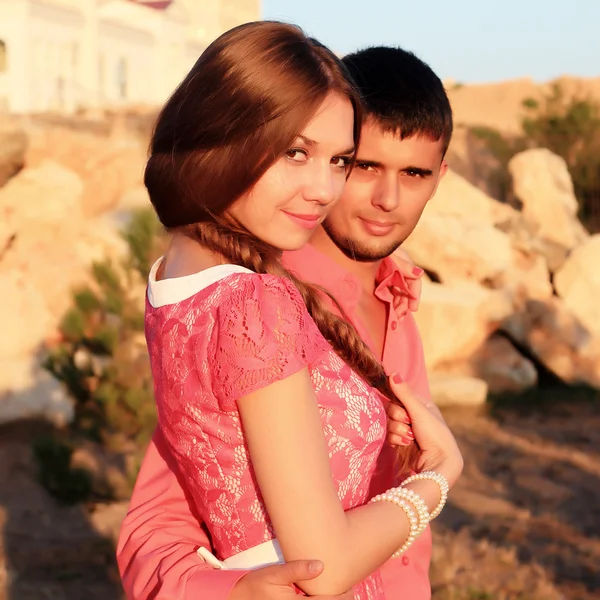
297 155
341 162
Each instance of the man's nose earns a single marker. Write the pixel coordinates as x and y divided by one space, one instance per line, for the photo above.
388 195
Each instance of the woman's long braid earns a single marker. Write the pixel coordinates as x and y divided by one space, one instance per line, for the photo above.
239 247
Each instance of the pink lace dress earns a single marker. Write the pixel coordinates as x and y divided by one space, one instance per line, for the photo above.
233 337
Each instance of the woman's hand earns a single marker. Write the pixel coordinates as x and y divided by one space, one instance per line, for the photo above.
399 432
438 449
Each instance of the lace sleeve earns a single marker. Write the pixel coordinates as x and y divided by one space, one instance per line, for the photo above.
263 334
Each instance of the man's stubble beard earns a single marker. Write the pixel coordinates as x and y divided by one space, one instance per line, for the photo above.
357 251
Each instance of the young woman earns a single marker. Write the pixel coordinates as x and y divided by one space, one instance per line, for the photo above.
252 373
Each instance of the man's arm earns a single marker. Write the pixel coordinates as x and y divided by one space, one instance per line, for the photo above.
159 538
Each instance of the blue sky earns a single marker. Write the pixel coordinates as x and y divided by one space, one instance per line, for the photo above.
467 40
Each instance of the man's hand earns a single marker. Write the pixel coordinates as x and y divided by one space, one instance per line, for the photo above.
276 581
412 274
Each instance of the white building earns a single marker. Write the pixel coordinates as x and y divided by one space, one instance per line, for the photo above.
66 54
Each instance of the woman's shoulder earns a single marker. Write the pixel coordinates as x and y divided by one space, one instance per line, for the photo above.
270 302
262 333
266 287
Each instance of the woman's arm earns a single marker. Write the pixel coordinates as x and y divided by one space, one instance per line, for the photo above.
302 502
158 541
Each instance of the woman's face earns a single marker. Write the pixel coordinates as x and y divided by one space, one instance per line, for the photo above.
293 197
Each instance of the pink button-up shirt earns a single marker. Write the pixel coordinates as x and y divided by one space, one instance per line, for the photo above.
160 534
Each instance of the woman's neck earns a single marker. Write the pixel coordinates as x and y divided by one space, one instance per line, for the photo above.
185 256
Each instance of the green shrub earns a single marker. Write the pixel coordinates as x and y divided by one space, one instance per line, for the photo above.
68 485
569 127
103 362
502 148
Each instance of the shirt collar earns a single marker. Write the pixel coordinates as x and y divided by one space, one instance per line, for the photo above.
392 287
315 267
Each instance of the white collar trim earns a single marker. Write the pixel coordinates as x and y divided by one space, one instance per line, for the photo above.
177 289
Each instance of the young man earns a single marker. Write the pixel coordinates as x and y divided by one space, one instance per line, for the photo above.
400 162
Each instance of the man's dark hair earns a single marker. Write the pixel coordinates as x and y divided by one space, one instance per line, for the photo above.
401 93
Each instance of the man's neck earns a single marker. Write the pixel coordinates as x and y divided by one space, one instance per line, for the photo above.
365 272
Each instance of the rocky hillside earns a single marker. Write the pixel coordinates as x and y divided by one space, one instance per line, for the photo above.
500 105
67 188
511 292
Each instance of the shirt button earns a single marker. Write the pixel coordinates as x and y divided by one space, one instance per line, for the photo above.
405 560
394 325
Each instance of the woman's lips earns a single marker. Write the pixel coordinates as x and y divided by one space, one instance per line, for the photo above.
306 221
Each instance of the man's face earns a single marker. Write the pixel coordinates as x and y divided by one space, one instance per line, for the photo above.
386 193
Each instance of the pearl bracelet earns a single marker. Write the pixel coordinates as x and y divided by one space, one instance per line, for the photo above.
437 478
389 496
418 503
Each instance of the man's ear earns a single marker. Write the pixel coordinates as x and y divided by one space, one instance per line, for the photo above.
443 171
443 168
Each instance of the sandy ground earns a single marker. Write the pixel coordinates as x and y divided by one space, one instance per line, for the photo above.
523 523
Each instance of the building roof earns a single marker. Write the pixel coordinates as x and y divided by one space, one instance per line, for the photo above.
156 4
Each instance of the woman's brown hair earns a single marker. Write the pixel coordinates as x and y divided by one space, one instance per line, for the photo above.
249 95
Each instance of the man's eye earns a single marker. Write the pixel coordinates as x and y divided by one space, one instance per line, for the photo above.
414 173
364 167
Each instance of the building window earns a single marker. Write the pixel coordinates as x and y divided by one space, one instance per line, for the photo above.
122 79
3 58
60 92
102 77
74 56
